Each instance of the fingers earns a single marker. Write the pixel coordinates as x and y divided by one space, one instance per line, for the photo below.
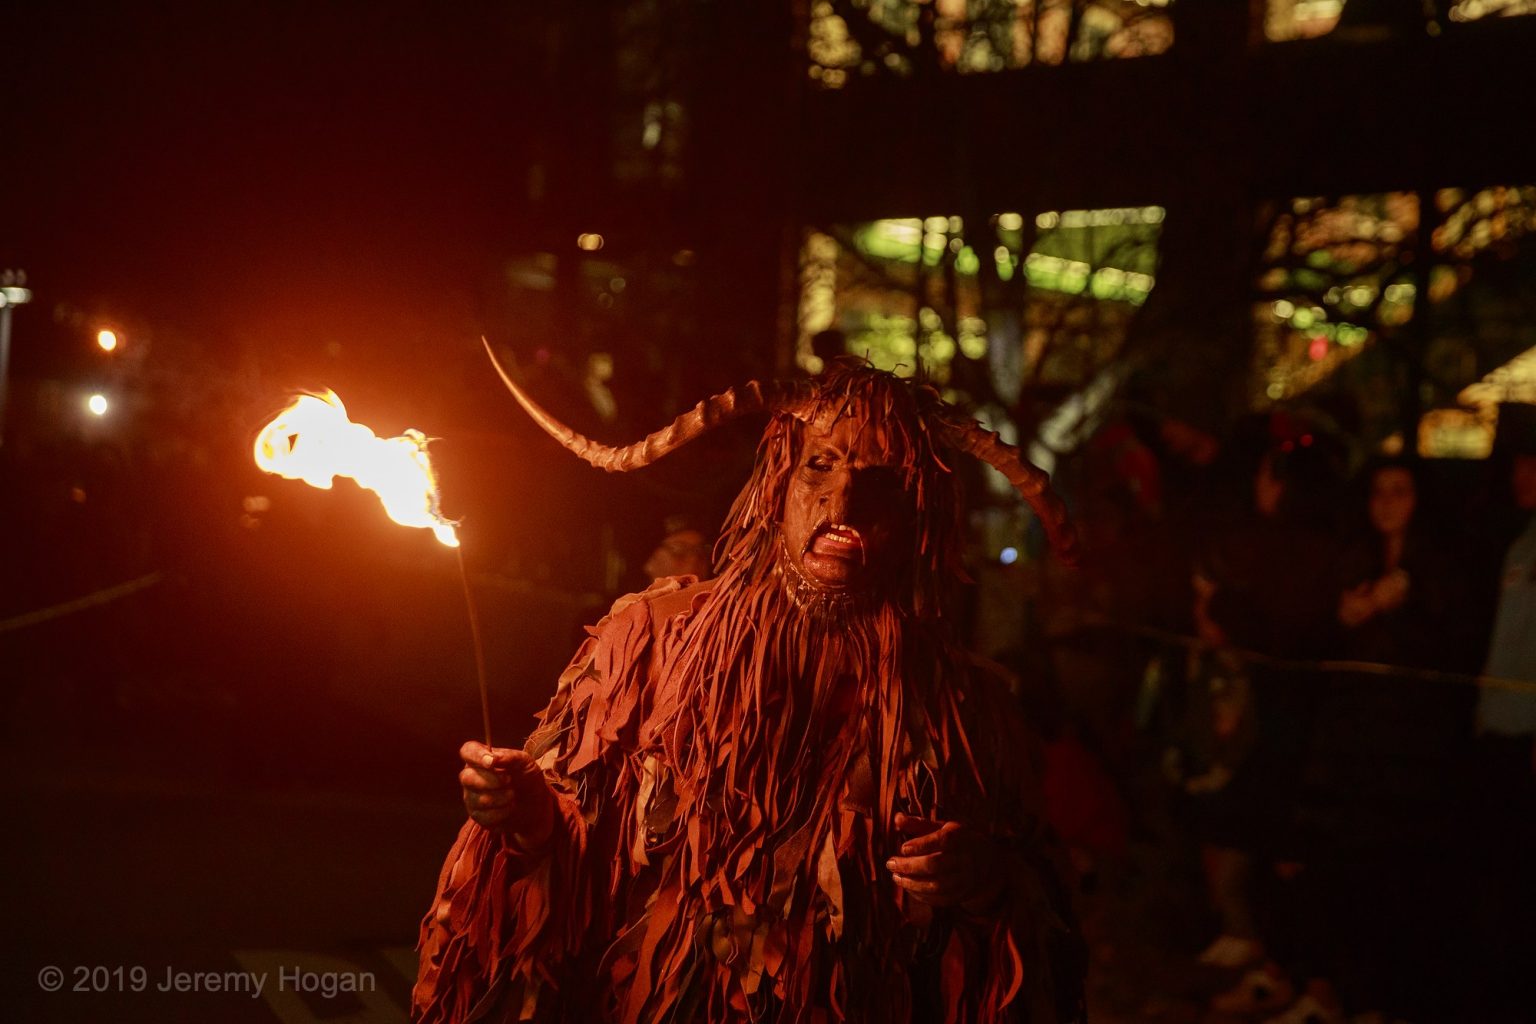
474 778
941 837
917 867
495 768
912 825
938 864
478 801
943 888
939 892
488 809
489 795
502 787
476 753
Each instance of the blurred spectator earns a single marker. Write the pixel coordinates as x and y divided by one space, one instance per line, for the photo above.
1377 790
1272 574
1401 599
683 551
1265 586
1207 754
1512 650
1506 747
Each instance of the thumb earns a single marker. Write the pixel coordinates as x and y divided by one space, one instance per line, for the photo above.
520 762
517 765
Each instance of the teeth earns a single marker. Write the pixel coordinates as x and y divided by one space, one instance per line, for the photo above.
838 533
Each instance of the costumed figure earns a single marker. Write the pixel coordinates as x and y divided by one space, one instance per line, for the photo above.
785 794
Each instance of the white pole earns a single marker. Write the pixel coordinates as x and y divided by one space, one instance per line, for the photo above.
11 294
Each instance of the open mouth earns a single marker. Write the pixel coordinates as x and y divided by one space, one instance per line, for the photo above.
838 540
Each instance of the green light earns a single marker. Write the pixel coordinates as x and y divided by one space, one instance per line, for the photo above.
973 346
891 239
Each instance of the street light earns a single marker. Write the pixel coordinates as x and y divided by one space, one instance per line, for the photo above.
97 403
107 340
12 293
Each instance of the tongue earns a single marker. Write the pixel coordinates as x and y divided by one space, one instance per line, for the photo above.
826 545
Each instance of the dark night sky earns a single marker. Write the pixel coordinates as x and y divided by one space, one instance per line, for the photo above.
289 171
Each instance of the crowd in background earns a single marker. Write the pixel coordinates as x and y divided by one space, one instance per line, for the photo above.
1328 665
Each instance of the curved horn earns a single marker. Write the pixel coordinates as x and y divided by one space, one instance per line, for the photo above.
1032 482
710 413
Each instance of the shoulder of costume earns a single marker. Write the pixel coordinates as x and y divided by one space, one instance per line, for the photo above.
663 600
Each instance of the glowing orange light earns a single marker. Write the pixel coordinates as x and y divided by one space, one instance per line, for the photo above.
314 441
107 340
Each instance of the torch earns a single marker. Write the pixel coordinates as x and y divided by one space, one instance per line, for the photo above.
314 441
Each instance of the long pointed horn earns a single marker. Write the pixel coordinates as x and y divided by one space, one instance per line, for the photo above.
1032 482
710 413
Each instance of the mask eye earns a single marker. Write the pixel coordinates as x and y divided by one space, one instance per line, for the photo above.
882 483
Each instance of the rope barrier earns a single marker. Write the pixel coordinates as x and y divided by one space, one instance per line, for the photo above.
80 604
1323 665
122 590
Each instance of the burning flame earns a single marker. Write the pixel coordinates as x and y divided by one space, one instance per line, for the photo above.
314 441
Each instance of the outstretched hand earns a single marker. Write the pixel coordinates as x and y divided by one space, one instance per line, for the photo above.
505 792
946 863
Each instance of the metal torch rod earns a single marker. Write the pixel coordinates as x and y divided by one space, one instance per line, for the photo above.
474 629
